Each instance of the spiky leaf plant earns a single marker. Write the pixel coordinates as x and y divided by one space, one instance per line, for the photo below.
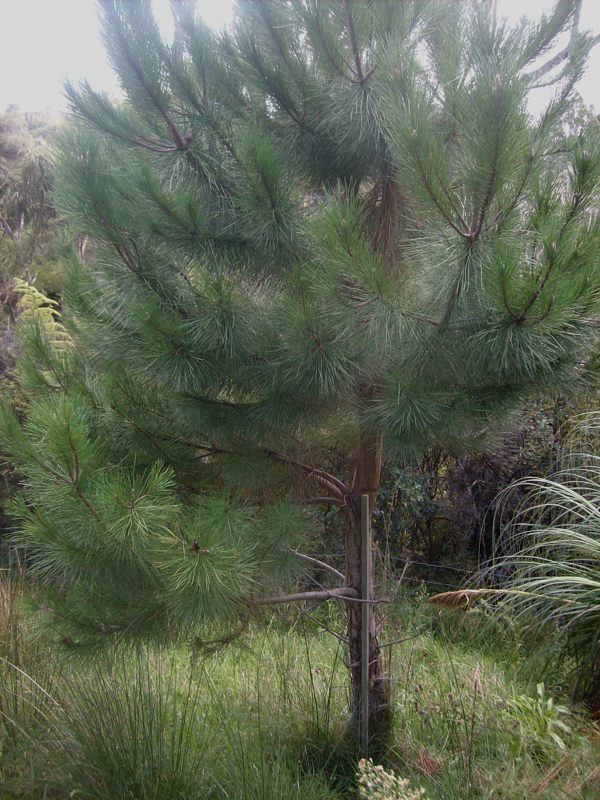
551 554
334 227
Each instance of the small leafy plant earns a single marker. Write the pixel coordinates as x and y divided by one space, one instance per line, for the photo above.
543 719
377 783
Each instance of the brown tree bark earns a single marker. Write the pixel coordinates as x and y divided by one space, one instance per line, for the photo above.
367 479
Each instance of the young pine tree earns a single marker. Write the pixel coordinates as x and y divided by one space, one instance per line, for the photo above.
335 229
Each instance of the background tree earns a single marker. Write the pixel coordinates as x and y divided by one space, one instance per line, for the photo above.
27 217
29 231
334 230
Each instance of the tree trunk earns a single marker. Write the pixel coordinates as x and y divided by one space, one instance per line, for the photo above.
368 470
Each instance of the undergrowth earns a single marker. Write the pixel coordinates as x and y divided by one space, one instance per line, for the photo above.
266 718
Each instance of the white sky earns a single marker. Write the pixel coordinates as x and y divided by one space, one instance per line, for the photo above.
45 41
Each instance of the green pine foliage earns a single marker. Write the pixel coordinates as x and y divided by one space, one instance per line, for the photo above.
336 220
119 550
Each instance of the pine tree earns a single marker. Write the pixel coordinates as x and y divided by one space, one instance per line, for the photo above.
334 230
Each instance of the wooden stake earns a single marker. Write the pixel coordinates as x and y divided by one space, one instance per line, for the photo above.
364 662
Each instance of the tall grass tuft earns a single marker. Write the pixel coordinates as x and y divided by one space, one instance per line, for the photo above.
134 727
149 725
28 677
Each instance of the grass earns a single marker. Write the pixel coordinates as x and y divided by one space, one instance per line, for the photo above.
265 719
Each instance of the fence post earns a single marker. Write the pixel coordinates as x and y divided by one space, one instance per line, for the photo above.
365 580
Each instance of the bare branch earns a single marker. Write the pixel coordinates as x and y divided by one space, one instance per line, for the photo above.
553 62
333 484
338 487
404 571
327 501
338 636
4 226
343 593
320 564
405 639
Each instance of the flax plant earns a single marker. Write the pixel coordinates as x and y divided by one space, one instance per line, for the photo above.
551 554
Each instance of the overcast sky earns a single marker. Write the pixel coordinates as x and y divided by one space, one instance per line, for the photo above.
46 41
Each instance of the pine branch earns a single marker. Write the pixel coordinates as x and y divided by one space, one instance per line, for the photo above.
577 200
267 19
317 30
455 293
353 41
181 142
144 432
478 219
575 28
127 257
434 198
110 11
87 503
504 214
566 53
74 478
454 207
